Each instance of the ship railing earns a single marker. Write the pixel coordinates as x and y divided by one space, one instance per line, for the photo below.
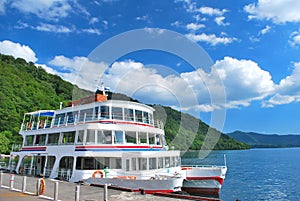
65 121
158 124
16 147
204 166
64 173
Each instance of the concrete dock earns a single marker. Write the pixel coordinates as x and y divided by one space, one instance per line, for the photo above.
66 191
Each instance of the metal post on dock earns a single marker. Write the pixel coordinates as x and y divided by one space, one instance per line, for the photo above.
56 191
24 184
11 181
105 193
38 187
1 178
77 192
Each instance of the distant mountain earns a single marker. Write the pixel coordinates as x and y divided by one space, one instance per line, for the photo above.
257 140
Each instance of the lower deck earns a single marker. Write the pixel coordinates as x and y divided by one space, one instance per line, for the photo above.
77 166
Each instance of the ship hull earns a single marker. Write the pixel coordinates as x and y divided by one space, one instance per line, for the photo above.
145 186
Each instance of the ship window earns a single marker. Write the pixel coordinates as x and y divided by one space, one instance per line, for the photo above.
160 162
142 138
53 138
117 113
70 117
119 137
177 161
80 137
151 138
40 139
130 137
96 114
86 115
167 162
128 114
115 163
152 163
138 116
103 137
172 161
29 140
104 112
68 137
133 163
158 139
150 118
142 163
90 136
145 117
59 119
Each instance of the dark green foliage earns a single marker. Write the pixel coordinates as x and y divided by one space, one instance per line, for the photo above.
25 87
186 132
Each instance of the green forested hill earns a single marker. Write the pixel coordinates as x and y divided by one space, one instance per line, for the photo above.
25 88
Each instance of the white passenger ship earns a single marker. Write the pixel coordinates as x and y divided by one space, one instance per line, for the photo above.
102 141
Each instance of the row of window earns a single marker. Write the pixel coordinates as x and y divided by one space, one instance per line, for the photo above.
104 112
93 136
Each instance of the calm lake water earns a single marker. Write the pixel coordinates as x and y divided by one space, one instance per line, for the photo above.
257 174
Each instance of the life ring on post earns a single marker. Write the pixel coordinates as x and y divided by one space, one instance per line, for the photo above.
42 186
98 172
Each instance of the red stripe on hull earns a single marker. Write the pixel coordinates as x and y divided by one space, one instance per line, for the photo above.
201 191
118 147
154 191
219 179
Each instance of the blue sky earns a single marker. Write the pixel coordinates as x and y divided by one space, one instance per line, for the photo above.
253 45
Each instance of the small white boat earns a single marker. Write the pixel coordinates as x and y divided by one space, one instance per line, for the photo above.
203 180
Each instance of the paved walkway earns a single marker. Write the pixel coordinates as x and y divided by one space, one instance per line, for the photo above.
66 191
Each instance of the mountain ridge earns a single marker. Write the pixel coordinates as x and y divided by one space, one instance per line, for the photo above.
259 140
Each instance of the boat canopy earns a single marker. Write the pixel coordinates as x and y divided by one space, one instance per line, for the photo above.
42 113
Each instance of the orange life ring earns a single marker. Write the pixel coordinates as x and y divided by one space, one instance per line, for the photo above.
42 186
186 168
98 172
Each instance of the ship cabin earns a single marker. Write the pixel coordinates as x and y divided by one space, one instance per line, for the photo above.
91 134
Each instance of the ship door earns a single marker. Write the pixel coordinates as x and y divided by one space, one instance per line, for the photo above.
40 164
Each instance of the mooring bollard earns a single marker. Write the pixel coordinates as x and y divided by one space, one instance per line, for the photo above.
11 181
1 178
105 193
38 187
56 191
77 192
24 184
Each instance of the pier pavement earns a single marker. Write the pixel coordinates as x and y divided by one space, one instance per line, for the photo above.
66 191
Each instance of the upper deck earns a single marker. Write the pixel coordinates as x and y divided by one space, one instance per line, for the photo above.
111 111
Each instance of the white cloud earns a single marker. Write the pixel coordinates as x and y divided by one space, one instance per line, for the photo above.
79 70
53 28
295 38
92 31
211 11
265 30
211 39
279 11
50 9
17 50
288 89
220 21
194 26
244 80
2 6
143 18
93 20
